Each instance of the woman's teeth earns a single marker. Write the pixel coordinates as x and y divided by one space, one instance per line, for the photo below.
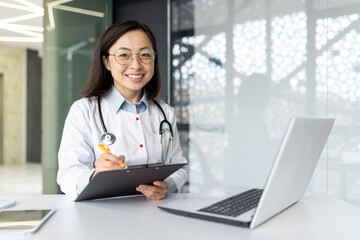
135 76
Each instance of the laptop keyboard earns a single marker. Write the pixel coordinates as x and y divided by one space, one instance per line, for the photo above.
235 205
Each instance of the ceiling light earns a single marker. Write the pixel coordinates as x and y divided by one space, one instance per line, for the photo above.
30 33
57 5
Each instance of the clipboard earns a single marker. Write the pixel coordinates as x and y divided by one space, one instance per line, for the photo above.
123 182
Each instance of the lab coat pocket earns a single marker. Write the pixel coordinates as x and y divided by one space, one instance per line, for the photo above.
155 150
162 151
166 148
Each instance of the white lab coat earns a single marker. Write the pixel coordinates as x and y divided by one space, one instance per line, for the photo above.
137 138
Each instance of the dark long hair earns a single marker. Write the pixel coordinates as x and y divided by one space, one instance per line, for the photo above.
100 80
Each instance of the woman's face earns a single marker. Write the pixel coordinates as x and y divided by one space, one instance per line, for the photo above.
129 79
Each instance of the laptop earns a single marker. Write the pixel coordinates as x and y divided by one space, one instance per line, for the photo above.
297 157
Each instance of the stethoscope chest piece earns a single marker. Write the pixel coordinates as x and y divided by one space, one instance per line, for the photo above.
108 139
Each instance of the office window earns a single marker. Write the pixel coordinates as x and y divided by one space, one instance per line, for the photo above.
241 69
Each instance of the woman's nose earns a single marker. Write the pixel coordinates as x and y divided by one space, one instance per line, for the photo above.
136 62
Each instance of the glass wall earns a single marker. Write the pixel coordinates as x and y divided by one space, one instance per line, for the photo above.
242 69
72 29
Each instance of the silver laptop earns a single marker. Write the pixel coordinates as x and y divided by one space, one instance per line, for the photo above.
286 184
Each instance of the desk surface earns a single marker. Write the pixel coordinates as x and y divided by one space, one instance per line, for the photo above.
316 216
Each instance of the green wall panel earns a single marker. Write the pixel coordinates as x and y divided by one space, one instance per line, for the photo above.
72 30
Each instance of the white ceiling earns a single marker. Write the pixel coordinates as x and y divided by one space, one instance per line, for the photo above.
21 23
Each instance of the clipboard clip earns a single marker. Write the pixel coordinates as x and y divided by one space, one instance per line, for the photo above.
145 166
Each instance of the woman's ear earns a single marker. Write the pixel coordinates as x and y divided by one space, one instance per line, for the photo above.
106 63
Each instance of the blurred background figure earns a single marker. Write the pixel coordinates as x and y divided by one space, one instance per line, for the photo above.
249 155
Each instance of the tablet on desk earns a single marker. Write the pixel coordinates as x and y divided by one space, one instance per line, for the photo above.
28 220
123 182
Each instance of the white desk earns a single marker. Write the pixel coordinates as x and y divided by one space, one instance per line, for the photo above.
317 216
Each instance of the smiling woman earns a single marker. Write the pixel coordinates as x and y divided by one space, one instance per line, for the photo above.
107 71
130 73
121 92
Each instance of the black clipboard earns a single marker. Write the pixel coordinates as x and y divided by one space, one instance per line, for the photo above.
123 182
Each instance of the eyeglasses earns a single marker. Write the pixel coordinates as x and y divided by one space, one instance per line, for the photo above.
125 56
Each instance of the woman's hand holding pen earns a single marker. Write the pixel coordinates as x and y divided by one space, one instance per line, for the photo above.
156 191
107 162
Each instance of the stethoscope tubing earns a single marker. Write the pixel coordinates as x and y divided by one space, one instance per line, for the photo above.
101 116
109 138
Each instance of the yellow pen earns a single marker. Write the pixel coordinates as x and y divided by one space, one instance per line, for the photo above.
107 150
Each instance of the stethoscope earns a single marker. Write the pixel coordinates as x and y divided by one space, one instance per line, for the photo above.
108 138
